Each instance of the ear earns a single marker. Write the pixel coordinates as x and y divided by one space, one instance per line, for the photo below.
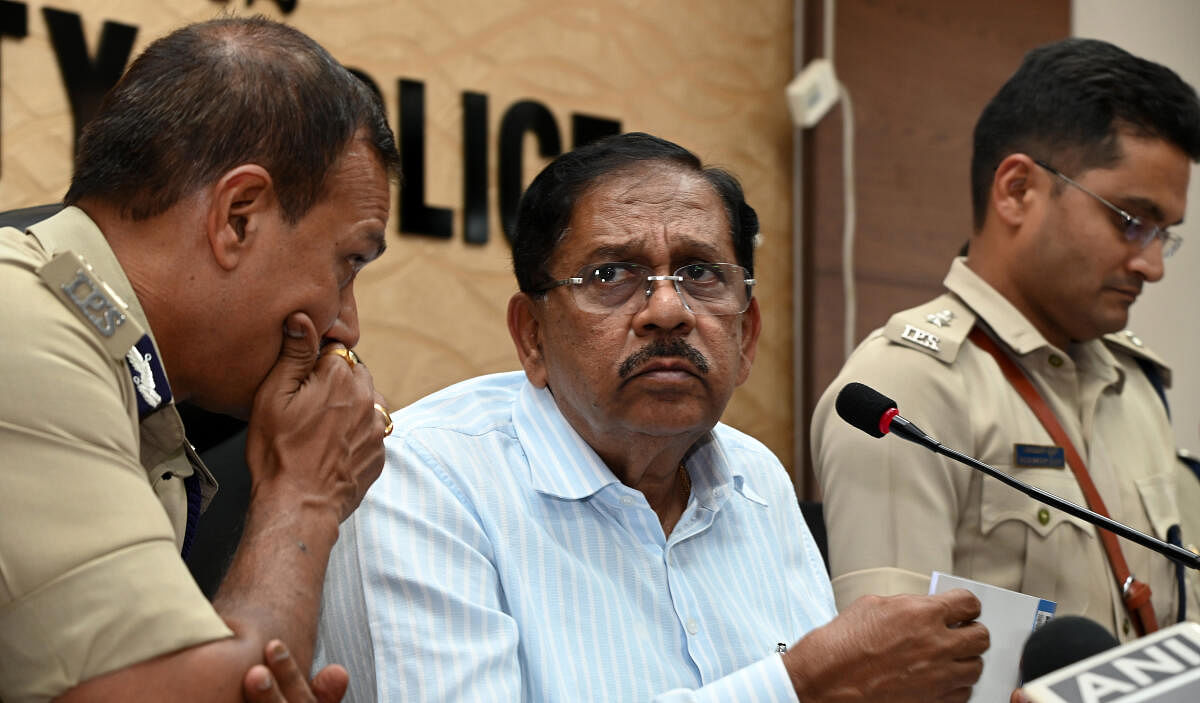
243 199
751 327
525 327
1013 194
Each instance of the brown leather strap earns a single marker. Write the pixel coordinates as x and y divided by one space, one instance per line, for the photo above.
1135 594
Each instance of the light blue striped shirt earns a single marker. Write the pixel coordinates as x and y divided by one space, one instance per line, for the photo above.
499 559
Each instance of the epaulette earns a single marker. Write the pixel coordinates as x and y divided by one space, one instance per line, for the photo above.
937 327
1128 343
93 301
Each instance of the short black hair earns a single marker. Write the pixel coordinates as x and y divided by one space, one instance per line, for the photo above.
216 94
1067 104
546 206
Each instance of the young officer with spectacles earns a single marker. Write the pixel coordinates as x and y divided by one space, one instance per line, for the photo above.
1081 164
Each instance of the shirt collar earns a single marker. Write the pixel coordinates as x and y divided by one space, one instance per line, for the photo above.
563 465
1015 330
1008 324
713 474
1097 359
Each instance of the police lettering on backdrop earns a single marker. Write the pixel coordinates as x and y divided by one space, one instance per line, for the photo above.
86 77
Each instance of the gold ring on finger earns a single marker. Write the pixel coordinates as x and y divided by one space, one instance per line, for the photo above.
387 419
347 354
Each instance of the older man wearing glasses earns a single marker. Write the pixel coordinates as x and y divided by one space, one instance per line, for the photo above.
586 530
1080 166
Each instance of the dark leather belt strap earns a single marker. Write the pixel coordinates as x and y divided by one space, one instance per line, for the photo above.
1135 594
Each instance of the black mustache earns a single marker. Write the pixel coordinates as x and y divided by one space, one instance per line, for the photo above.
674 347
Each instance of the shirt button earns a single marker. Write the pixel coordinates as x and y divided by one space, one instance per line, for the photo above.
627 500
691 626
1044 516
718 492
1055 360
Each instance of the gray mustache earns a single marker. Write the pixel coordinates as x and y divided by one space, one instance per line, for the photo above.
675 347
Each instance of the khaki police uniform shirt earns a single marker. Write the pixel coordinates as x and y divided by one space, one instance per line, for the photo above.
895 511
1189 505
92 502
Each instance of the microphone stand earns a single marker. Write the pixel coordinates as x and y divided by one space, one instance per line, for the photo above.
907 430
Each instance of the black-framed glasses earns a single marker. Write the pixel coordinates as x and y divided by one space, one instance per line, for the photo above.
1136 229
617 287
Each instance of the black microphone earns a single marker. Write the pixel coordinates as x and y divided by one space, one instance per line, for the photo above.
876 414
1061 642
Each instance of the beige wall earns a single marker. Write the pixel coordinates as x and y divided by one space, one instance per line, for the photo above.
706 73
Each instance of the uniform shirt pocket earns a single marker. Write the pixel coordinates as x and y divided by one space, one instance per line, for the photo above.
1001 502
1035 548
1158 499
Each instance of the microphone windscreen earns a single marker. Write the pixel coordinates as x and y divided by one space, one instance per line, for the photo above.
862 406
1062 642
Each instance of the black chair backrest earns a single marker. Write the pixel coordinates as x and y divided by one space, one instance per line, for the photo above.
26 216
814 515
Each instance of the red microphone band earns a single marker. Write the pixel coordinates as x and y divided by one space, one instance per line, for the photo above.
885 420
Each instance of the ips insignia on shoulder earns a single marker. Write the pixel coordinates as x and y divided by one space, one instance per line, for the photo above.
919 336
92 300
937 327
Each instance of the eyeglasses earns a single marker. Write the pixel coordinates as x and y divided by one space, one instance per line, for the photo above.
1136 229
613 288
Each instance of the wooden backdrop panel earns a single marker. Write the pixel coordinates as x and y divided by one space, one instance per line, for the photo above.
708 74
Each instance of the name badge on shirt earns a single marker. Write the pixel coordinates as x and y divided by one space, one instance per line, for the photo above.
1035 456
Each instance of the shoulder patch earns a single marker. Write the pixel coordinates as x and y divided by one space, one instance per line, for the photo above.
1128 343
937 328
93 301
